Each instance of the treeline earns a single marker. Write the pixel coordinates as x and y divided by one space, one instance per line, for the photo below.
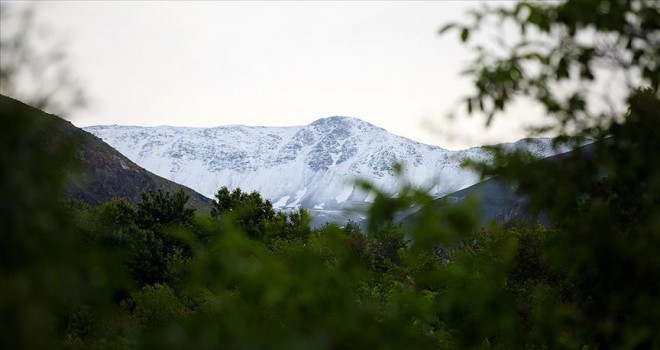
159 275
243 276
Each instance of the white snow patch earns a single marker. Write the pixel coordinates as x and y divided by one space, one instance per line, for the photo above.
281 202
299 196
345 193
370 197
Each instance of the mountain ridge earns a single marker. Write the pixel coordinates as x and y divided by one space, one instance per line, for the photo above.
499 199
99 172
311 165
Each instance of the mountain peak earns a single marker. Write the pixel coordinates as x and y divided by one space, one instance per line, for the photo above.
312 166
336 119
342 121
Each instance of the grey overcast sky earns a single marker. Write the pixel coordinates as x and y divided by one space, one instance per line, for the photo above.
273 63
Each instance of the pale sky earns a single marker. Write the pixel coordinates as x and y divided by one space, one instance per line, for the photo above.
273 63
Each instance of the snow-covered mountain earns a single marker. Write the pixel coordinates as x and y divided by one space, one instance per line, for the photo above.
313 166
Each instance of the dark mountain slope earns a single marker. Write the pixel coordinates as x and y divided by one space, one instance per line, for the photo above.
500 201
98 172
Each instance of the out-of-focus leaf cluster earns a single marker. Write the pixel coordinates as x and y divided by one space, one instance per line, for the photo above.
602 197
34 66
554 53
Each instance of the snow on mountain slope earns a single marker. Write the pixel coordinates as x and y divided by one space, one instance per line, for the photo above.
313 166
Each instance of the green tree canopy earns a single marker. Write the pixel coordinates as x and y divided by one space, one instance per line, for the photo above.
249 211
163 208
603 197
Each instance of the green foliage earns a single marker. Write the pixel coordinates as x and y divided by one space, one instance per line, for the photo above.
294 225
155 276
357 243
163 208
147 233
249 211
496 287
155 305
386 244
41 262
556 53
603 197
31 68
256 217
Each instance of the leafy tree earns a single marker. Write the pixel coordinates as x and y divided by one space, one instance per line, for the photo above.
34 70
385 244
156 248
249 211
602 197
163 208
145 233
357 243
557 53
288 226
352 228
155 305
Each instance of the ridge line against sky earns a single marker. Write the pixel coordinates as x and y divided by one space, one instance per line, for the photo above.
205 64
